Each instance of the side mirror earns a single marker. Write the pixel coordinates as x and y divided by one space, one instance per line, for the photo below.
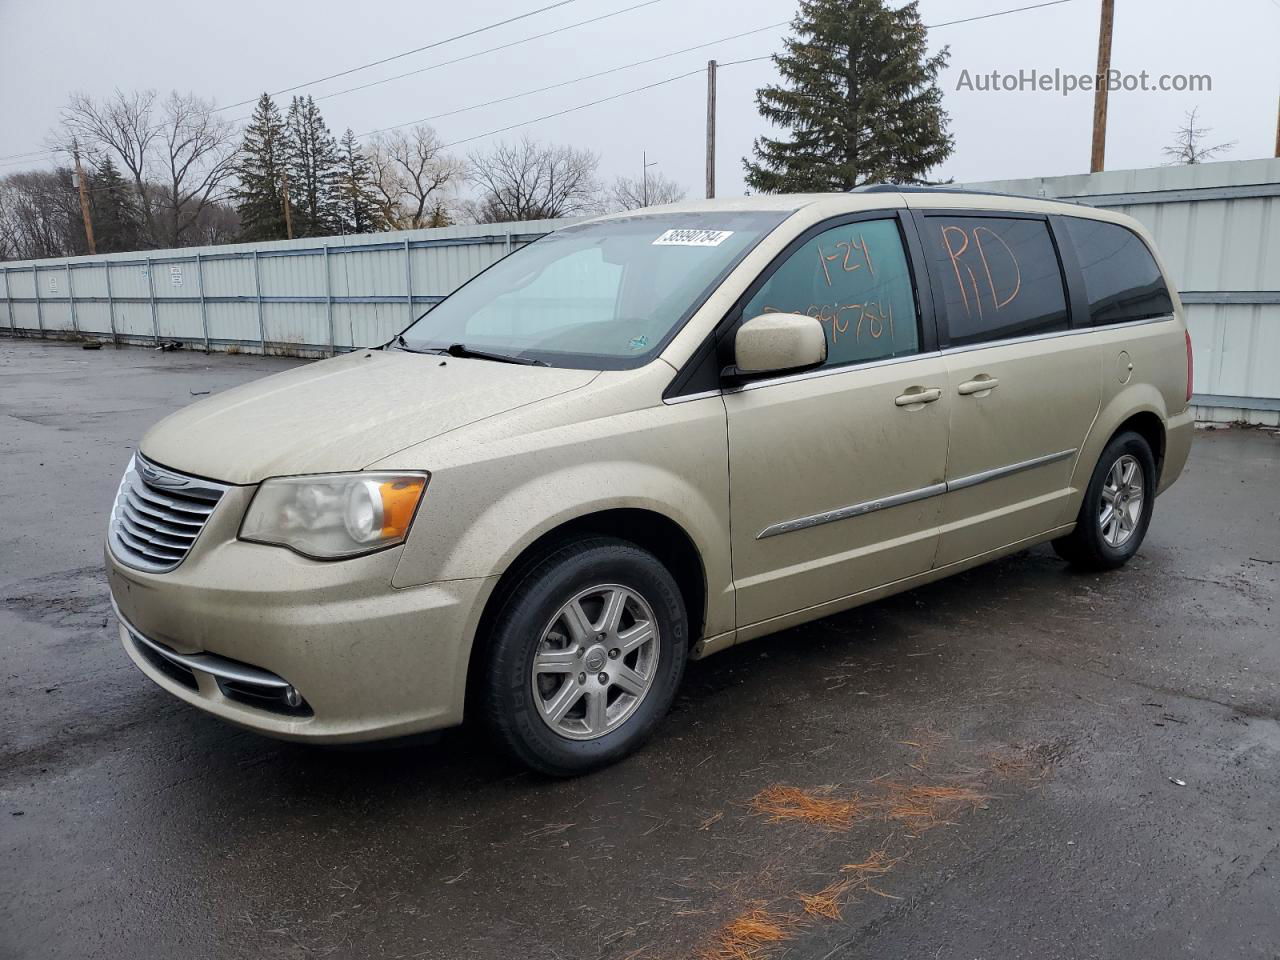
779 341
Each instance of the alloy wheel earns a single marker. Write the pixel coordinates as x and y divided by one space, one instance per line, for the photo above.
1122 501
595 662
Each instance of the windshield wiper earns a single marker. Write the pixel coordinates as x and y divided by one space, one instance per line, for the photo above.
402 344
462 350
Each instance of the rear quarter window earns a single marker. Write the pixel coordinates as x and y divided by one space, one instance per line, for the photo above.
1121 277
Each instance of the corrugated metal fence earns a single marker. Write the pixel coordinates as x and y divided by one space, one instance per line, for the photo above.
1218 228
309 297
1217 225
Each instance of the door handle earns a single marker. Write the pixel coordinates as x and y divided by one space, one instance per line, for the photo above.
982 384
918 396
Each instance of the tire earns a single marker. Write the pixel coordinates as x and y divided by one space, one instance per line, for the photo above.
609 699
1095 545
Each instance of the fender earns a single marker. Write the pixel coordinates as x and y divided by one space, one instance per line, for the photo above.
1133 399
507 500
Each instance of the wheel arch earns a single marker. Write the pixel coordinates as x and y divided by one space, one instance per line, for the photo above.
1148 425
1139 407
652 531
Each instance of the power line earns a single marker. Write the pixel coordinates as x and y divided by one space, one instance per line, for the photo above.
33 158
998 13
7 161
617 96
987 16
29 153
581 106
734 63
429 46
481 53
36 154
589 76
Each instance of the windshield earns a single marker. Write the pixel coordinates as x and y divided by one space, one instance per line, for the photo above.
606 295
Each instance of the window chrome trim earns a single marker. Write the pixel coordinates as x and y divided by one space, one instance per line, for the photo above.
828 371
1054 335
911 496
685 398
948 351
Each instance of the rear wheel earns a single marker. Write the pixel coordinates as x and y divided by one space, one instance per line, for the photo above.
585 657
1117 507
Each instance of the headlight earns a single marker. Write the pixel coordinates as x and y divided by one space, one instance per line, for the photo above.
334 515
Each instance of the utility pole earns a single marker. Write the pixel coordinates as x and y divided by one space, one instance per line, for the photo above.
288 209
84 199
1100 91
711 129
644 175
1278 131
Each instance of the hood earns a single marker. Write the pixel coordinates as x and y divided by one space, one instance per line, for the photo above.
344 413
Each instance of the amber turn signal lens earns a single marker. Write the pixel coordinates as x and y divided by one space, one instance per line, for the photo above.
399 501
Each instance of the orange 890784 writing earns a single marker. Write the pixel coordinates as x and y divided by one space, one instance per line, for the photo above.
874 316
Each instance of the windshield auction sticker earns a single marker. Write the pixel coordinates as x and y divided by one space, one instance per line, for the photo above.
693 238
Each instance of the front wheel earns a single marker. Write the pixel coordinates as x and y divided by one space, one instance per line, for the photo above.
1117 507
585 656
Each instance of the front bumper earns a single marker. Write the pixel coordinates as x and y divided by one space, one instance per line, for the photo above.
237 626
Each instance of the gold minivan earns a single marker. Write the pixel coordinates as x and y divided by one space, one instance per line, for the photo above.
645 438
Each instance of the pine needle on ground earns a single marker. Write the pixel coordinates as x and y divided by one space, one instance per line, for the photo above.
749 936
922 806
828 902
818 807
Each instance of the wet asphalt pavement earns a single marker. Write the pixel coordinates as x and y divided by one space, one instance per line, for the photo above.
134 826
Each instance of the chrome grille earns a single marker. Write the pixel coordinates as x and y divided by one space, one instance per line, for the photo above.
158 514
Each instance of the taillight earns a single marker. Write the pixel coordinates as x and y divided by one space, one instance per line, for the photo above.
1191 366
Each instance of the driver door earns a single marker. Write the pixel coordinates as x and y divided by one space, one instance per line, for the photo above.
836 473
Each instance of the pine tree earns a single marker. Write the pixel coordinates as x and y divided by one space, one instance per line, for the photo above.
313 171
259 196
439 216
358 210
117 224
862 102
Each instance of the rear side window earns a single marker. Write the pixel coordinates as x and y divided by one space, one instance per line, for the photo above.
1121 278
854 279
999 278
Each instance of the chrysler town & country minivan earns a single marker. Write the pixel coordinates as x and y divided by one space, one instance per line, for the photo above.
646 438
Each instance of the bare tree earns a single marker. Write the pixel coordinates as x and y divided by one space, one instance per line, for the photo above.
121 125
40 216
178 152
1187 146
530 181
654 189
217 223
412 176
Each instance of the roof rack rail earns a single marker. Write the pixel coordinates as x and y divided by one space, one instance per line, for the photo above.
943 188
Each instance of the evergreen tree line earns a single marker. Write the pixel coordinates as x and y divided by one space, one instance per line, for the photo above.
295 179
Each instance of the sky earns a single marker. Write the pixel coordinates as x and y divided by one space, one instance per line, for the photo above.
234 49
